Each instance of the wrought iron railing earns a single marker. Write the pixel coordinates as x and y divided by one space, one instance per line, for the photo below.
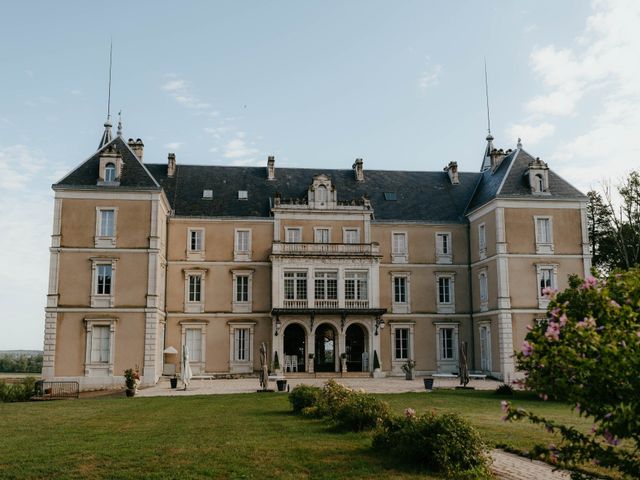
56 390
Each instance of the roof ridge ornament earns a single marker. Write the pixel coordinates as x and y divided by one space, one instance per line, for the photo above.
119 131
519 144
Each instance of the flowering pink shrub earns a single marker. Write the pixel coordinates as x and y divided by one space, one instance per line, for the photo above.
587 353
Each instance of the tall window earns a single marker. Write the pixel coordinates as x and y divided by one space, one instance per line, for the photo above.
351 235
484 288
109 172
243 240
446 344
443 244
543 230
294 235
241 338
482 239
321 194
400 289
195 240
546 279
295 285
103 283
321 235
398 247
193 341
444 290
242 288
195 287
100 343
401 350
356 286
107 223
326 286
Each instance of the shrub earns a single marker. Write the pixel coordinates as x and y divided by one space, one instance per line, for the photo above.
587 353
18 392
332 397
445 444
304 396
504 389
360 411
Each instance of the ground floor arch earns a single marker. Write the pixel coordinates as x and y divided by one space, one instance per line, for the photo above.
356 348
294 345
326 342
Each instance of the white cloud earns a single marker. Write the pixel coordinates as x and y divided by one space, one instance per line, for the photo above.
594 79
238 149
180 91
530 133
18 165
173 145
430 76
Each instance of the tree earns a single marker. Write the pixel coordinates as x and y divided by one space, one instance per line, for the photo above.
614 225
587 353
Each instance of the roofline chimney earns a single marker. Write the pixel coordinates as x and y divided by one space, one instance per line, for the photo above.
358 170
171 165
271 167
452 170
137 146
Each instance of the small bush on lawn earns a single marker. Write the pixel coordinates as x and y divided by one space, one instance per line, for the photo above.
445 444
360 411
332 397
504 389
18 392
304 396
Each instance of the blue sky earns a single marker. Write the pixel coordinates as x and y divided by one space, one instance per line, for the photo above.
400 84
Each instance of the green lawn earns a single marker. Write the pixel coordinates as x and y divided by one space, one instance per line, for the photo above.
224 436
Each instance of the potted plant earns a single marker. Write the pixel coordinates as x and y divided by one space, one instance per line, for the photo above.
131 380
276 363
376 366
408 369
174 381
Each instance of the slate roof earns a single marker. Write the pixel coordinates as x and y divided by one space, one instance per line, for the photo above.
509 181
134 174
421 196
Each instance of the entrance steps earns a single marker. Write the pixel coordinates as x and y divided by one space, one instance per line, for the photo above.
327 375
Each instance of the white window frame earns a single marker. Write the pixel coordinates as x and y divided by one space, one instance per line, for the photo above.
359 297
396 363
450 306
482 240
486 326
238 306
243 195
345 230
288 231
102 300
242 255
196 367
196 254
399 255
94 369
441 256
324 276
115 173
483 282
236 365
543 247
543 301
401 307
189 306
316 231
447 365
297 300
105 241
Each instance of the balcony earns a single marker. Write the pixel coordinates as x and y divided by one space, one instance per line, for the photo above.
295 303
334 249
327 303
351 304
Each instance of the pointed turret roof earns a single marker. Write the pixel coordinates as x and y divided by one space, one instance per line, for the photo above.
106 135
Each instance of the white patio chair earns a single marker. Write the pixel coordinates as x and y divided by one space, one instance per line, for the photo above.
287 363
294 363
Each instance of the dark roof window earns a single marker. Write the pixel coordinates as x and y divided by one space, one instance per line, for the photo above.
243 195
207 194
390 196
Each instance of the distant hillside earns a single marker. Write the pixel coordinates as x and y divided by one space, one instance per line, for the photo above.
18 353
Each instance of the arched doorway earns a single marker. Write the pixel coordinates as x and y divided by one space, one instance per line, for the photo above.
355 343
294 348
326 342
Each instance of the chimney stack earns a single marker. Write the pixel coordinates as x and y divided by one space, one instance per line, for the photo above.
271 168
452 170
137 146
496 158
358 170
171 165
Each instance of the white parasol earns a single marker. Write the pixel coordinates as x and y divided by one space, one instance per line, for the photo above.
185 368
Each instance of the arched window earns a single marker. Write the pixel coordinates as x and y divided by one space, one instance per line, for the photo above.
109 172
539 185
321 194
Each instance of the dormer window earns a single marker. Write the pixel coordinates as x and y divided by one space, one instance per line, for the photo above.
321 193
538 176
110 172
